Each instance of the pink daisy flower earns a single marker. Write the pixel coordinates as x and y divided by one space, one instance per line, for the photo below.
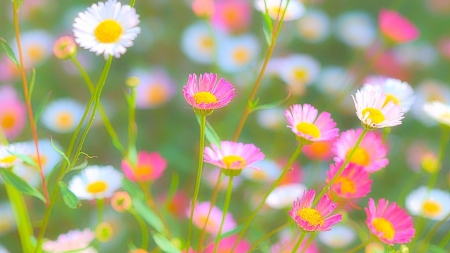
390 223
319 150
371 153
232 15
302 120
314 219
149 166
226 244
206 94
215 217
74 240
353 182
232 157
287 244
12 112
396 27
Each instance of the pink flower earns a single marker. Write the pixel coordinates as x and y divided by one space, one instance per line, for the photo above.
226 244
8 70
207 94
121 201
371 153
203 8
316 218
215 217
150 166
353 182
177 204
390 223
12 112
155 88
319 150
396 27
65 48
73 240
232 15
287 244
302 120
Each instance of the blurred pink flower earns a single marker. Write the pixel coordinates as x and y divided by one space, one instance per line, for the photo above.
155 88
294 174
226 244
396 27
64 48
444 47
12 112
8 70
215 217
203 8
319 150
121 201
73 240
232 15
353 182
177 204
149 166
287 244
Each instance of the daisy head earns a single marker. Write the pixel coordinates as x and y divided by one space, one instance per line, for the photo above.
12 112
96 182
356 29
298 70
339 237
62 115
7 159
36 47
201 211
65 48
47 154
282 196
293 10
353 182
311 219
155 88
396 28
107 28
433 204
232 15
149 166
268 171
334 79
372 111
271 119
303 122
203 8
390 223
429 90
438 111
319 150
207 94
371 152
198 44
232 157
74 240
314 26
238 53
226 245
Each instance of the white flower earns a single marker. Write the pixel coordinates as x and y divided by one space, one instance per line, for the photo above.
107 28
197 43
427 91
416 54
335 79
432 204
74 241
96 182
283 195
356 29
268 171
438 111
272 118
7 222
37 46
314 26
299 69
340 236
237 54
62 115
400 93
373 113
7 159
275 8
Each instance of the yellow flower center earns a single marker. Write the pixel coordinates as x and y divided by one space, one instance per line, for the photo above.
360 157
206 43
65 120
8 159
259 174
389 98
157 94
211 222
241 55
108 31
205 97
233 159
97 187
384 226
300 74
309 129
143 170
429 163
8 120
374 114
312 216
347 185
431 208
275 11
36 52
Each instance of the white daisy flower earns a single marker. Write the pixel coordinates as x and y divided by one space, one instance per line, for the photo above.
416 54
96 182
335 79
268 171
299 69
284 195
314 26
400 93
356 29
197 43
237 54
62 115
275 8
107 28
427 91
432 204
7 221
272 118
438 111
373 113
73 241
37 46
8 160
339 237
48 155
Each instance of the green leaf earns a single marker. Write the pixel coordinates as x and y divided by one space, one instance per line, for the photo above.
210 134
267 28
165 244
148 215
59 151
253 104
69 197
172 188
41 108
271 105
132 189
8 51
26 159
232 232
20 184
81 166
436 249
32 81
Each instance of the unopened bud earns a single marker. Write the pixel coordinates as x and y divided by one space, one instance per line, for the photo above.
65 48
121 201
429 162
404 249
104 232
132 81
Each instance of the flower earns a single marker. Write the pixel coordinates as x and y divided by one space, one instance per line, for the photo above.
7 159
430 203
314 26
12 112
65 48
7 221
104 232
238 53
287 243
427 91
319 150
232 15
438 111
149 166
197 43
206 94
107 28
396 28
48 155
271 119
283 196
373 112
226 244
334 79
121 201
62 115
311 219
74 240
275 8
232 157
96 182
416 55
353 182
298 70
203 8
339 237
356 29
303 122
268 171
215 217
371 153
36 47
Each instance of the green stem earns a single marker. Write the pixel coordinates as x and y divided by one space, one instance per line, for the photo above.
100 210
199 177
434 230
302 236
151 203
144 230
310 240
358 247
445 241
347 160
132 128
225 211
442 147
132 2
268 235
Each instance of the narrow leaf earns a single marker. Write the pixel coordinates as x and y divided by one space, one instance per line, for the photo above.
164 244
32 81
232 232
20 184
59 151
81 166
41 108
148 215
9 52
69 197
132 189
210 134
272 105
436 249
172 189
26 159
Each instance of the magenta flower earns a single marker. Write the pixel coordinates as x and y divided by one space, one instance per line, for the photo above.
215 217
390 223
226 244
149 166
353 182
396 27
74 240
311 219
232 15
12 112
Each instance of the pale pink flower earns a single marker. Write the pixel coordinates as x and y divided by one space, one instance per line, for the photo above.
232 15
177 204
203 8
121 201
12 112
444 47
390 223
155 88
73 240
287 244
215 217
64 48
226 244
149 166
353 182
8 70
396 27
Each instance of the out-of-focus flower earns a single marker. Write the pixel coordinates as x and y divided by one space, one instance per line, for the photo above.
428 91
7 159
353 182
311 219
232 15
374 247
198 44
275 8
430 203
298 70
390 223
287 244
62 115
319 150
203 8
226 244
142 251
121 201
104 232
96 182
284 195
74 240
335 79
438 111
268 171
12 112
420 156
356 29
444 47
36 47
294 175
314 26
272 118
64 48
385 63
211 176
237 54
303 122
48 155
441 7
371 153
7 221
339 237
177 204
107 28
396 28
149 166
215 217
419 55
373 112
8 70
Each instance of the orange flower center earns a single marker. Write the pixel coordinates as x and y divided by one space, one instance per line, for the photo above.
8 120
36 52
230 15
241 55
108 31
309 129
384 226
431 208
205 97
374 114
233 159
312 216
143 170
360 157
206 43
65 120
319 147
347 185
157 94
97 187
42 157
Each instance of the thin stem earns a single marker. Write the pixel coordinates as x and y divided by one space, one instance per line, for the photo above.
358 247
434 230
408 185
28 100
445 241
442 147
132 128
302 236
151 203
225 211
310 240
144 230
199 177
100 210
132 2
268 235
347 160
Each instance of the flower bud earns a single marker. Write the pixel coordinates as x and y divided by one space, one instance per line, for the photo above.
104 232
121 201
64 48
